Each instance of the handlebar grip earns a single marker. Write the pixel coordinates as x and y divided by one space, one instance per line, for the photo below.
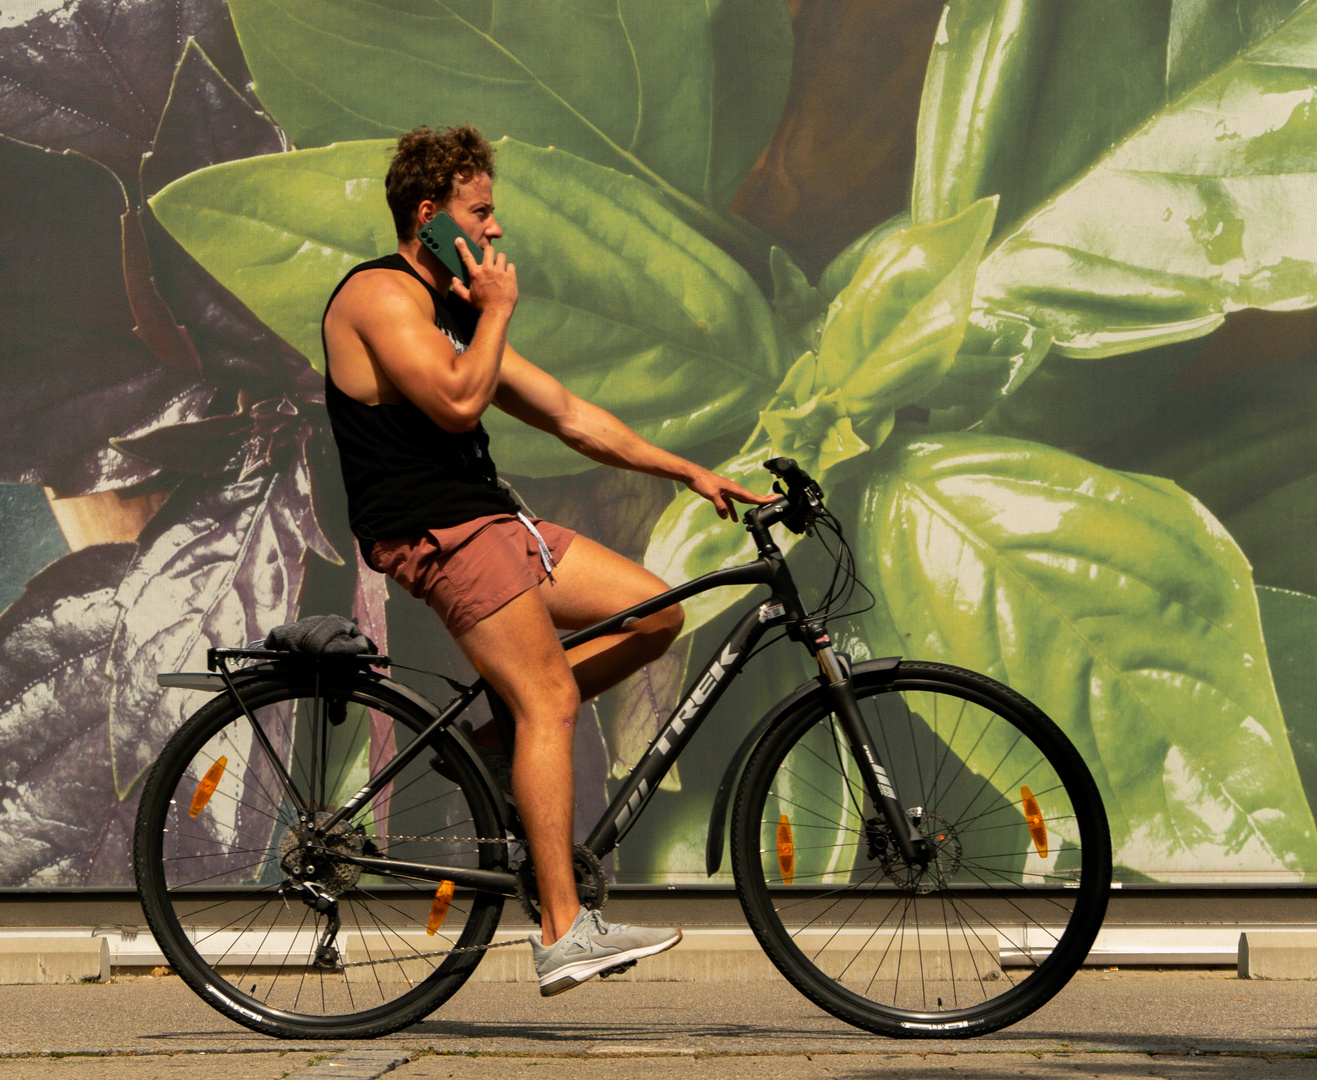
785 468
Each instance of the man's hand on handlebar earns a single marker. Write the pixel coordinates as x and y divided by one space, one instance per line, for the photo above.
721 492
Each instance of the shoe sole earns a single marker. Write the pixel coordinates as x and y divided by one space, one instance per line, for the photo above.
572 975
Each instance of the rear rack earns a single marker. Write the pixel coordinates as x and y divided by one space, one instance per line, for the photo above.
215 658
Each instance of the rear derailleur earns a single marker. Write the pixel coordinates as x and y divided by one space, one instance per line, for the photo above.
322 902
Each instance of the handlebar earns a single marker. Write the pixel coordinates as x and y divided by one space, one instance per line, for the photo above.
801 502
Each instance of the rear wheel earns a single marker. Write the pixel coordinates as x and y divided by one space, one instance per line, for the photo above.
999 918
245 910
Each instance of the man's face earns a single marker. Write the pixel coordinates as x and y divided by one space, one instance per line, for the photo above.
472 207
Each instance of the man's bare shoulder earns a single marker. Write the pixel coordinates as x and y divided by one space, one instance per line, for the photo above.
383 292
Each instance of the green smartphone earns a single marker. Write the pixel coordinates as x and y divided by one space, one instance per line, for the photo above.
438 235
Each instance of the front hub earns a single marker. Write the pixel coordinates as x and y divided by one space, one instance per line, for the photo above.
944 851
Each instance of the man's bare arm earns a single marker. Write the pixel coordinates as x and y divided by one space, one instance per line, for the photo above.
538 399
389 314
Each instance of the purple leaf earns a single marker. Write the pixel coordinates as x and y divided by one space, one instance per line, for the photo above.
368 603
60 817
95 77
74 372
220 564
236 348
205 122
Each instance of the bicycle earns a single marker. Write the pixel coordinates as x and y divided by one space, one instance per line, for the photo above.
918 849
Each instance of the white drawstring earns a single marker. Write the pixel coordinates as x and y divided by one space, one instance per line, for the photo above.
545 556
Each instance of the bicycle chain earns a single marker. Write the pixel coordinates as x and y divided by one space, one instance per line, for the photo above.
448 839
441 952
456 949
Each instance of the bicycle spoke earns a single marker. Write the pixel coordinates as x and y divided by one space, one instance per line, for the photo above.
885 942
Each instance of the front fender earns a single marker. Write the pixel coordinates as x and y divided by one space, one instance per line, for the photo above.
713 850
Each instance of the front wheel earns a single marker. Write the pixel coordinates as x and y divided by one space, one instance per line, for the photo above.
254 909
996 921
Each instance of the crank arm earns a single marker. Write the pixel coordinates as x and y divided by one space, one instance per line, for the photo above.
495 881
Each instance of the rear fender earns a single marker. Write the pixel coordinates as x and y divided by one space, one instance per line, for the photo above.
713 851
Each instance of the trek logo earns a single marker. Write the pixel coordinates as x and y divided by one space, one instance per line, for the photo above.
676 726
698 697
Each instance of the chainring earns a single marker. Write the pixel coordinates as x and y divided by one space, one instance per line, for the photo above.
591 883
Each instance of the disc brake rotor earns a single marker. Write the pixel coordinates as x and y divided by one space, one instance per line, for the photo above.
943 843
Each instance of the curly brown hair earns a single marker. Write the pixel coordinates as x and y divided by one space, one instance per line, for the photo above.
429 164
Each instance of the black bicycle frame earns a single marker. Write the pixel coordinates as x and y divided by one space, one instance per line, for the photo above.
782 607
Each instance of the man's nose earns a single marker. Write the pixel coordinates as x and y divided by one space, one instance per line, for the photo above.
493 229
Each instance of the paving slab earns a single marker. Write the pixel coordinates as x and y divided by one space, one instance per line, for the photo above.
908 1066
1099 1012
270 1065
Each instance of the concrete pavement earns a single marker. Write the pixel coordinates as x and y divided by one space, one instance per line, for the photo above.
1125 1023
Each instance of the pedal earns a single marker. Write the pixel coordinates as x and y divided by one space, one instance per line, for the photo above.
621 969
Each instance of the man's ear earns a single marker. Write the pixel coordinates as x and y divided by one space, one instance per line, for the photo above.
425 211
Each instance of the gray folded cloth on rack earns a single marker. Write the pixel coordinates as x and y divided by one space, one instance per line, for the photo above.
321 635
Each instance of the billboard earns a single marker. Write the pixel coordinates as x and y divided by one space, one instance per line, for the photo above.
1027 284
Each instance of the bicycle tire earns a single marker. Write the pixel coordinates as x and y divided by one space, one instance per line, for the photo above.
993 926
209 882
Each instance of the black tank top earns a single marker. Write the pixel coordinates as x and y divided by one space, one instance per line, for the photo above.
403 472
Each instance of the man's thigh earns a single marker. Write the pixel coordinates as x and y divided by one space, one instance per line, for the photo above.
591 583
516 648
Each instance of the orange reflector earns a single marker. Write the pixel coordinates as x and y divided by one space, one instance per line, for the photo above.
443 897
1034 818
786 849
207 787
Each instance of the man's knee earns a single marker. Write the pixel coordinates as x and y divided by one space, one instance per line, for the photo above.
671 620
661 629
556 701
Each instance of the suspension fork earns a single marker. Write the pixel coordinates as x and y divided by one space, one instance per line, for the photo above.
841 695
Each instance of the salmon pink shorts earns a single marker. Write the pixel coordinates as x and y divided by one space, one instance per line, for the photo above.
469 571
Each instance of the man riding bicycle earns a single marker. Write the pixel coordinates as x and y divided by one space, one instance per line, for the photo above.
413 359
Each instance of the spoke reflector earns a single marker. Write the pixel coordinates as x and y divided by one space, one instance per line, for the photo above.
443 897
207 787
1034 817
786 850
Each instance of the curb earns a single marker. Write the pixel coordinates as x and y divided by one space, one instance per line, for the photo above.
54 960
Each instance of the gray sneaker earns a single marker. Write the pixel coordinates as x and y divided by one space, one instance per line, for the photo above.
593 946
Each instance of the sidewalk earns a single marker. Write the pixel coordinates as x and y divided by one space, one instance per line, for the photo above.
1187 1023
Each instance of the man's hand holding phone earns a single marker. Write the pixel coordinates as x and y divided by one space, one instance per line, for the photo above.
493 285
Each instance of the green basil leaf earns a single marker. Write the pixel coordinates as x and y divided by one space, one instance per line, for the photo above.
1163 164
844 267
998 354
1254 466
280 231
626 305
685 93
1121 607
893 331
1289 622
890 335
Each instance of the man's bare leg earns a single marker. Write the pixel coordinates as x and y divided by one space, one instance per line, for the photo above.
517 651
591 583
